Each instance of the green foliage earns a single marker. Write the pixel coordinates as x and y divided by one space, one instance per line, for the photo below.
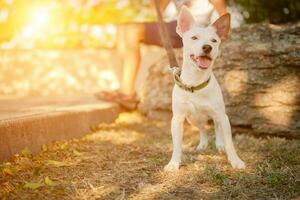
275 11
33 185
217 176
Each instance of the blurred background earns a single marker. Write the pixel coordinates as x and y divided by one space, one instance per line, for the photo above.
60 47
91 23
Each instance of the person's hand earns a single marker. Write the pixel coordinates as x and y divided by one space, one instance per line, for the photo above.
180 3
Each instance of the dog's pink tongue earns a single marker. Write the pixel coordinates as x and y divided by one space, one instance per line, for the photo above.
203 62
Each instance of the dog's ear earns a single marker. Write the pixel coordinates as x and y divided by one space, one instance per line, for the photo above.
185 21
222 26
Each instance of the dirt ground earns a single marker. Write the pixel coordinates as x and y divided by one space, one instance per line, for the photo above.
124 160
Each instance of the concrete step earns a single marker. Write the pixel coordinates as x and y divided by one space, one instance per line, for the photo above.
32 122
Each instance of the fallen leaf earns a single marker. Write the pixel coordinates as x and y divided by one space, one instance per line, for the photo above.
37 171
77 153
59 191
33 185
44 148
9 171
27 153
64 146
49 182
57 163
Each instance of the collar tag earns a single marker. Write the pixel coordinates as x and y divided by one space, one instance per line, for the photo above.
190 89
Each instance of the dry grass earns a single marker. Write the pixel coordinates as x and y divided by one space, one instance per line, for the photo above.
124 160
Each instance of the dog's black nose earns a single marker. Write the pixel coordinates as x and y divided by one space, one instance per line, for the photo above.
207 48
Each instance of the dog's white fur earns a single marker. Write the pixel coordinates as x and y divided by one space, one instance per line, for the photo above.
206 103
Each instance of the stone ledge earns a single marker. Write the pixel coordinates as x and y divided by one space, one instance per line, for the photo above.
65 120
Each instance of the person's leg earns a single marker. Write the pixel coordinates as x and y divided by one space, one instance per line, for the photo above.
129 37
128 48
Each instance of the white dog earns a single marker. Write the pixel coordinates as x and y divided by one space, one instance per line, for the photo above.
204 100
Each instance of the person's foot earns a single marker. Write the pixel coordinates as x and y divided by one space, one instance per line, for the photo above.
128 102
107 95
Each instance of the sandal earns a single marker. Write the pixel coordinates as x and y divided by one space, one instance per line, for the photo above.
128 102
107 95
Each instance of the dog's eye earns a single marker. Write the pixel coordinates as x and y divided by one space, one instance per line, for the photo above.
194 38
213 40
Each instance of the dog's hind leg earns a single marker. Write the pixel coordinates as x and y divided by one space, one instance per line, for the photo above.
203 143
203 139
219 137
223 121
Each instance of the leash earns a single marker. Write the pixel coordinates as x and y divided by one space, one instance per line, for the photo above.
166 38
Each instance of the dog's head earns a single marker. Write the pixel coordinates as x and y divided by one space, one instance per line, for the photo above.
201 44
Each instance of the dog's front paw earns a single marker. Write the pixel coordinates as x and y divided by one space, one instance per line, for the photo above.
238 164
171 166
220 147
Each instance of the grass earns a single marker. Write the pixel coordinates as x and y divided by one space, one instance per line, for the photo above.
124 160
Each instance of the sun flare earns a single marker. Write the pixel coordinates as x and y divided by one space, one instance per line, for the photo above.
39 21
40 17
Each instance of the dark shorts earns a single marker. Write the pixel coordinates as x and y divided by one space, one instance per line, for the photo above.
152 35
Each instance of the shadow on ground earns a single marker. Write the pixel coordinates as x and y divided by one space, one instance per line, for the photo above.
124 160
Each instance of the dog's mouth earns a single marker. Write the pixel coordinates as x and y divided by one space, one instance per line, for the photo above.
203 61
